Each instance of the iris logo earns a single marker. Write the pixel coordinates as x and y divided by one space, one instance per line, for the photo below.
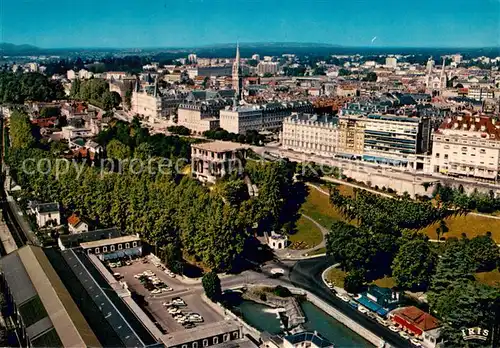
475 333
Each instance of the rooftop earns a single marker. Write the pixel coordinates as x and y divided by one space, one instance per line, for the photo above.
47 207
219 146
418 317
50 314
312 337
108 241
74 240
199 333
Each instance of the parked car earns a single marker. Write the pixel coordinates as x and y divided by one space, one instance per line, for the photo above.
404 335
156 291
415 342
393 328
362 309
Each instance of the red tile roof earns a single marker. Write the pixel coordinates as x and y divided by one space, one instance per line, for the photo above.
73 220
474 123
419 318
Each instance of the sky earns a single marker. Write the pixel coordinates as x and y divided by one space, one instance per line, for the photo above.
191 23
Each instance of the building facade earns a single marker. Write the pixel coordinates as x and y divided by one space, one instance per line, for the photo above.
266 117
467 146
210 161
311 134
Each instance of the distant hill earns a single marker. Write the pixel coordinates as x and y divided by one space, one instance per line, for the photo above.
272 45
12 49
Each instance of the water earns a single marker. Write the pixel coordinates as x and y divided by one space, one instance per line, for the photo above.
263 319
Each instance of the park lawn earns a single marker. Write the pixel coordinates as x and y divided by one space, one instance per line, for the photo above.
318 251
386 282
471 225
489 278
336 276
317 206
308 235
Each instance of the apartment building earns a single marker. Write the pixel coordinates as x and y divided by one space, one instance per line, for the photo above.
311 134
266 117
200 116
351 136
267 68
396 139
467 146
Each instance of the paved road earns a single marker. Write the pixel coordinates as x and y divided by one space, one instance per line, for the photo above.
306 274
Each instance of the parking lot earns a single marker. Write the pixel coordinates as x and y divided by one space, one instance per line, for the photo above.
190 294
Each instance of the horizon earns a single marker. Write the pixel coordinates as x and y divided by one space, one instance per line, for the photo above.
196 23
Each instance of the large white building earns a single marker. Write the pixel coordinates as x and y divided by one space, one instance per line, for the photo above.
310 134
267 68
391 62
266 117
467 145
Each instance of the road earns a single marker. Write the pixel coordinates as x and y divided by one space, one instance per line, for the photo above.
306 274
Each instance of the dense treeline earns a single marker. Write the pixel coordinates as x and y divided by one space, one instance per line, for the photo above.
381 244
250 137
458 198
172 212
455 296
370 210
95 91
16 88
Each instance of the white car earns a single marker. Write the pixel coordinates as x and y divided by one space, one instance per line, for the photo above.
393 328
416 342
362 309
404 335
166 289
329 285
156 291
345 298
178 302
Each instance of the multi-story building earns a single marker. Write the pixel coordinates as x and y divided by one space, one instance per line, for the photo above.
267 68
481 93
395 139
152 104
210 161
200 116
266 117
391 62
351 136
311 134
467 146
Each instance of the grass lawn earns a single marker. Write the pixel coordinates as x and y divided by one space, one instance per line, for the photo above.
386 282
317 251
318 207
336 276
471 225
308 235
489 278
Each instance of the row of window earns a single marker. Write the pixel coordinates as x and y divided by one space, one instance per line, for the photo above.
215 340
112 247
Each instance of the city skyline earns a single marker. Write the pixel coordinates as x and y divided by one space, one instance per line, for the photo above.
164 23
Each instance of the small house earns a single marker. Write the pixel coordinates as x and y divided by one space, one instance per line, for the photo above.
47 214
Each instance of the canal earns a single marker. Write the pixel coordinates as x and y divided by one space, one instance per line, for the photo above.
264 318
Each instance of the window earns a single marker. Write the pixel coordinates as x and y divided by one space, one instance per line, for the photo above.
120 246
104 249
184 346
446 156
134 244
235 335
112 248
127 245
482 151
97 250
195 344
205 343
437 155
226 337
216 340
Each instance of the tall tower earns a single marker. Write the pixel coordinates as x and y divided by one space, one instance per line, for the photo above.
237 82
443 79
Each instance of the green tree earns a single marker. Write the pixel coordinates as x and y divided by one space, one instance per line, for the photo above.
211 285
414 265
469 304
117 150
371 77
484 252
20 131
354 280
144 151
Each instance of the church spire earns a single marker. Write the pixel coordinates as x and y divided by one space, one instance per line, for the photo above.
237 83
